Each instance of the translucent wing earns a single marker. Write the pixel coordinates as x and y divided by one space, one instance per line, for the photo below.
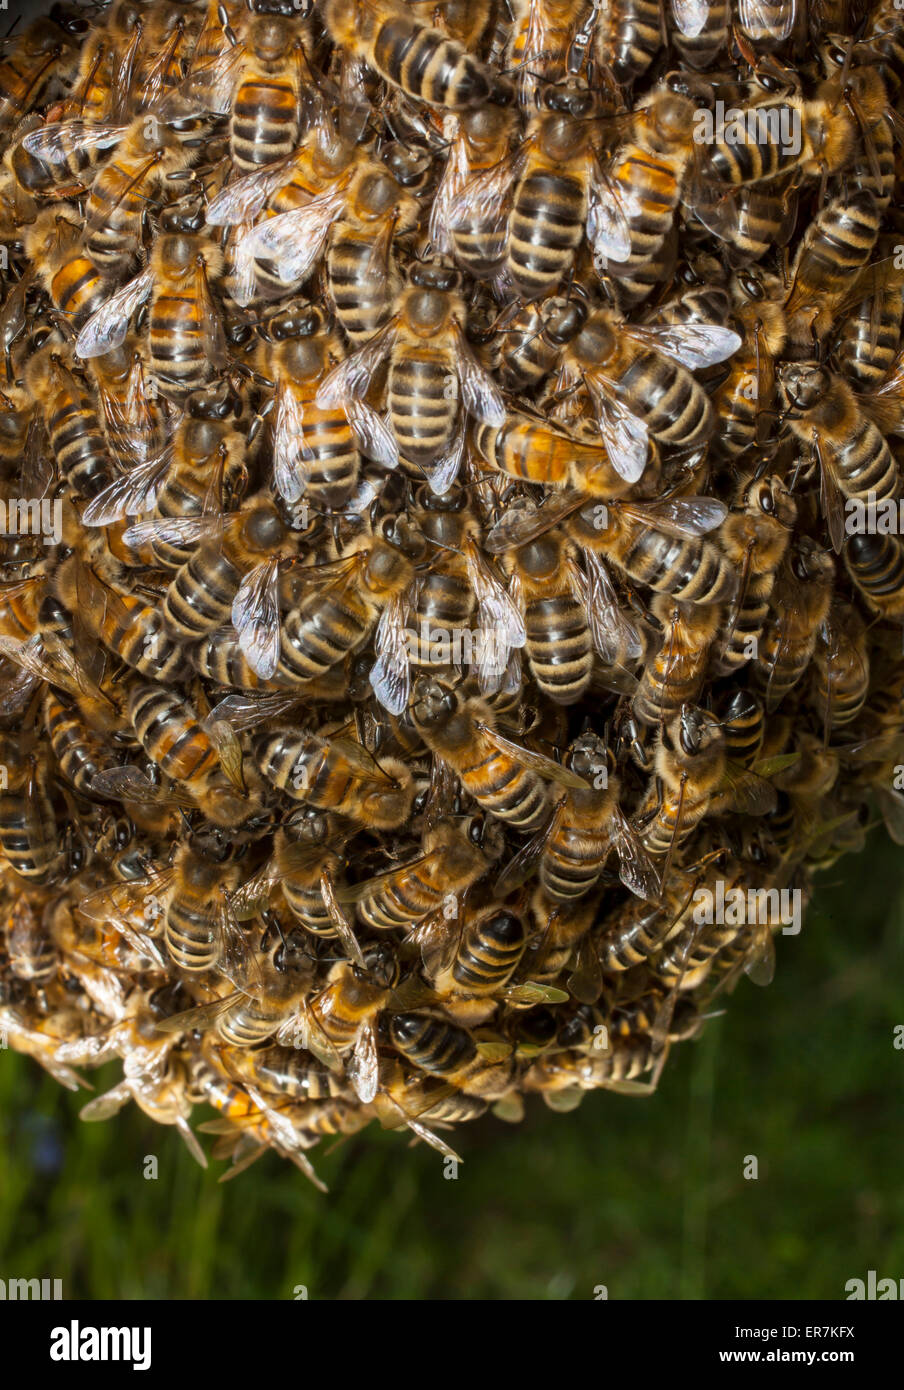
337 916
130 494
525 863
690 16
453 181
180 530
53 141
615 636
533 992
229 750
255 617
103 1107
759 17
751 794
243 200
209 87
759 964
375 440
608 229
544 767
480 394
446 468
364 1067
243 712
202 1016
683 517
694 345
130 784
625 436
108 328
352 377
437 939
295 240
243 280
390 675
636 869
522 524
830 492
500 626
31 656
291 457
484 198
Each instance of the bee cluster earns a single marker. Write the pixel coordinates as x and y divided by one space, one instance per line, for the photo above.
429 438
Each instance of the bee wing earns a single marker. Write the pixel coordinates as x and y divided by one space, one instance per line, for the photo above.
544 767
519 525
303 1028
375 440
295 240
130 494
446 469
891 804
608 228
208 87
136 431
480 394
390 675
451 185
585 982
519 869
437 938
751 794
229 750
108 327
237 961
244 712
243 200
352 376
690 16
103 1107
500 626
758 15
364 1066
625 436
759 965
484 197
243 272
179 530
533 992
694 345
202 1016
213 338
52 142
130 784
340 921
683 517
636 869
255 617
615 637
830 492
31 656
290 455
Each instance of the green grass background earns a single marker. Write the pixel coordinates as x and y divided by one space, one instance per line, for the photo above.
644 1196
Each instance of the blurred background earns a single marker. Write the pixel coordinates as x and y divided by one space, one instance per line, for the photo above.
645 1196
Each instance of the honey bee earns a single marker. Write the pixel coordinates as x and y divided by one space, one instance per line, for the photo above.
336 606
700 32
876 565
837 243
799 605
363 278
628 37
316 450
33 58
76 288
756 538
468 220
505 779
674 675
539 43
443 598
450 1053
840 667
690 766
200 931
128 626
743 399
854 457
120 194
80 752
526 447
76 435
432 375
336 774
869 336
28 829
186 345
32 951
412 55
535 334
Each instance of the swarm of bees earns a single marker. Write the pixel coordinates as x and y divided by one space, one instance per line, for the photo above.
429 437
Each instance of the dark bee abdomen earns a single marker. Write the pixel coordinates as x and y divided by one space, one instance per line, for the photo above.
546 225
444 602
559 647
695 571
28 833
77 290
201 593
876 565
218 657
79 445
503 787
572 862
319 634
427 65
363 299
264 123
433 1046
334 463
423 404
191 939
866 464
869 340
489 953
630 39
169 734
177 342
79 755
676 408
